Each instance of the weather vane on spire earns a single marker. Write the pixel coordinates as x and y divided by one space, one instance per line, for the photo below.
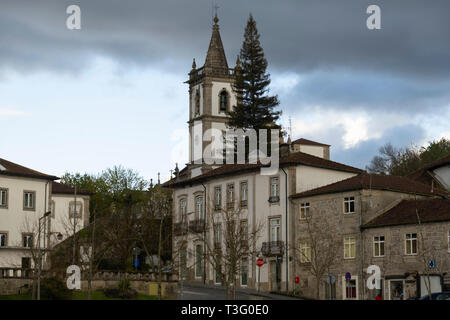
215 7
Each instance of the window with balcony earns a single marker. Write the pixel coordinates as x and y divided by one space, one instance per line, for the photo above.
349 247
378 246
349 204
199 207
244 233
274 190
183 207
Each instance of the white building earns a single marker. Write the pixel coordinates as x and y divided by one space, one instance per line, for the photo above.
25 196
200 188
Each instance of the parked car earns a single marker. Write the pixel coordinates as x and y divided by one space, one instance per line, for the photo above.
437 296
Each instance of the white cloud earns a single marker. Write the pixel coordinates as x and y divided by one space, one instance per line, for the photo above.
11 113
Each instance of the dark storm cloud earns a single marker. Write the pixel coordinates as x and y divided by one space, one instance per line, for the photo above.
405 65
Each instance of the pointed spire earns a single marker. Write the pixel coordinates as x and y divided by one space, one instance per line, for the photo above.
194 65
215 58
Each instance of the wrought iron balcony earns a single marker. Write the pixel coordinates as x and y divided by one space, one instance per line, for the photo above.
180 228
272 248
197 225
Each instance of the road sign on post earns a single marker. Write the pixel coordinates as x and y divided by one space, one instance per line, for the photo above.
259 262
348 276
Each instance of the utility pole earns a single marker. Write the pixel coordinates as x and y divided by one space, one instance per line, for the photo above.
74 224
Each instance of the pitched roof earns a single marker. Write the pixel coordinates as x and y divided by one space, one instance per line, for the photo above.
297 158
215 58
438 163
429 210
13 169
372 181
59 188
309 142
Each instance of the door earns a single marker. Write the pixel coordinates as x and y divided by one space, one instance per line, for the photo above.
275 276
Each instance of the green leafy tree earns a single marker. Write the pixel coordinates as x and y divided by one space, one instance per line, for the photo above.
402 161
255 107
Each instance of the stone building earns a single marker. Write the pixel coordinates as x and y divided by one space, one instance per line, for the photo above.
350 209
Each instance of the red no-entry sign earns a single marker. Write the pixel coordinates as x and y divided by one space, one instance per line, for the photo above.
259 262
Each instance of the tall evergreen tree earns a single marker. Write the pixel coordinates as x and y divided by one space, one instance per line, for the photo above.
255 108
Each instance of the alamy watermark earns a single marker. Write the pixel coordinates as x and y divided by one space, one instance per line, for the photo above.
214 146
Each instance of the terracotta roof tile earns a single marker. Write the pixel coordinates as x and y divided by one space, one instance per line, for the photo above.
296 158
59 188
309 142
13 169
372 181
429 210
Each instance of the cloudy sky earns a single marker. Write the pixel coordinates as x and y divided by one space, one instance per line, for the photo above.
112 93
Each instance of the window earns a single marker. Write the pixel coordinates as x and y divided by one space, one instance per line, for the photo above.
3 198
411 243
448 240
197 103
350 289
26 263
183 262
378 246
182 210
217 235
230 195
199 207
305 250
244 272
304 210
349 247
274 190
244 191
244 233
28 200
349 204
198 260
27 240
217 197
3 239
75 209
223 104
52 209
218 268
275 229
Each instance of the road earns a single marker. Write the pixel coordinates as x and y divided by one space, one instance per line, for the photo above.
195 292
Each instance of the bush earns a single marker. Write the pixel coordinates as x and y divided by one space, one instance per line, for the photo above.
54 289
123 291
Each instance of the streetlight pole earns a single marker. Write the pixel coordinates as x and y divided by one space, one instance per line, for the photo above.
40 254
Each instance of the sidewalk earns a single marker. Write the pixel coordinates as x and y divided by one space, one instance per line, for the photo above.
250 292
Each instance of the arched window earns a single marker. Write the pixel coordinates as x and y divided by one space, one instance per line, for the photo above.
197 102
223 101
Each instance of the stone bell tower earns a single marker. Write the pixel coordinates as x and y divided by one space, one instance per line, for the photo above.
210 96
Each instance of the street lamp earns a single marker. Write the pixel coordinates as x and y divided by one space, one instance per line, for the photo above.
40 254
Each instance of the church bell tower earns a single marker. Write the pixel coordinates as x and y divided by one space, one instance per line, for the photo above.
210 97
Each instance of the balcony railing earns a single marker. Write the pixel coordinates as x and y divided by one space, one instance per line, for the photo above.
197 225
180 228
272 248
